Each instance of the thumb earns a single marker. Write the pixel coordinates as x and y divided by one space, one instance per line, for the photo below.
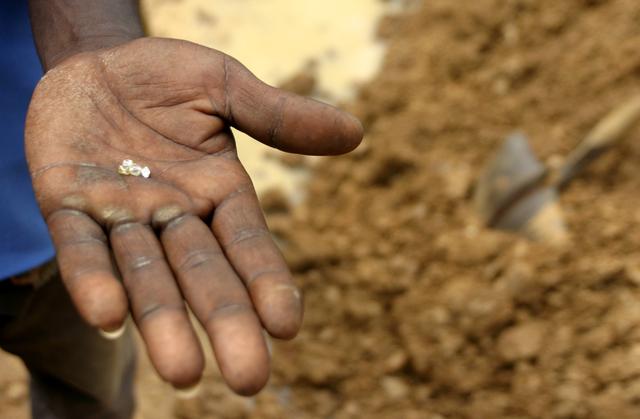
280 119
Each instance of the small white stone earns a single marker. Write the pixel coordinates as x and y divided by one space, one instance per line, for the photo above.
135 170
146 172
127 163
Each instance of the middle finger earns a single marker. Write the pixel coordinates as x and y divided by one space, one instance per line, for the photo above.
157 305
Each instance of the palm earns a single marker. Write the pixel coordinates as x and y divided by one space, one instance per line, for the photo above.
116 106
168 105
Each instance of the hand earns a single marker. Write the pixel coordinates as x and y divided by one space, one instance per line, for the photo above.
194 230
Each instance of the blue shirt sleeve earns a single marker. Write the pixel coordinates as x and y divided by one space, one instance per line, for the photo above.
24 238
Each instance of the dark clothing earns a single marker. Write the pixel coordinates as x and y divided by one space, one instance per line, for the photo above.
75 372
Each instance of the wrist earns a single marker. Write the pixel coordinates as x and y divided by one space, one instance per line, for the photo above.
50 59
63 28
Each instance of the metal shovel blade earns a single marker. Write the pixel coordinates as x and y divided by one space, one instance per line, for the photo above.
510 194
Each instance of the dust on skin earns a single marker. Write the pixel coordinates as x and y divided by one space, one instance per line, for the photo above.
164 215
113 215
91 175
85 147
76 202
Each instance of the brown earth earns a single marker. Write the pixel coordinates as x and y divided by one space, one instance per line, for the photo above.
413 309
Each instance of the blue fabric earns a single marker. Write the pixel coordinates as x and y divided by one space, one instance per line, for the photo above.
24 239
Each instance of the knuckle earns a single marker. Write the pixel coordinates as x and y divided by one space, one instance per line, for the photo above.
77 276
281 274
227 310
246 235
140 263
124 227
170 217
244 189
198 258
71 228
153 309
64 214
88 240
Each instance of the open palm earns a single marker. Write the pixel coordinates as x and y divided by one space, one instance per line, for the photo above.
193 231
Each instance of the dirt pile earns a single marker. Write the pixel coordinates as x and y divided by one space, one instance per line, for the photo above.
416 311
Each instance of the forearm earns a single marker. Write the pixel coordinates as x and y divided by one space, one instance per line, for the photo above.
62 28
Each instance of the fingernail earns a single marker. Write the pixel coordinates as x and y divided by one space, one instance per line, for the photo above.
115 334
188 392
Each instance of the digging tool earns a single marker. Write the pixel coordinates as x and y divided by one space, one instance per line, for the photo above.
516 192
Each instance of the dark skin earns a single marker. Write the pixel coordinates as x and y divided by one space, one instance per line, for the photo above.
193 233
